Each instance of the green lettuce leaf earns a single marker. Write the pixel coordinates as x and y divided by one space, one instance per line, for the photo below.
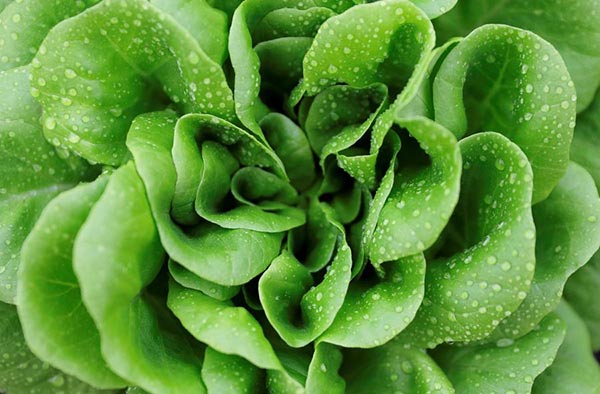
580 292
116 260
508 80
344 49
190 280
224 373
31 170
224 327
507 366
57 326
299 309
376 309
26 23
227 257
485 268
574 370
418 201
22 373
573 28
82 112
393 368
568 234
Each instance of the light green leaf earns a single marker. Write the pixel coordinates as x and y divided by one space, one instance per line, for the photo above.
223 256
207 25
574 370
572 27
568 234
81 109
376 309
296 307
435 8
581 293
225 374
393 368
190 280
507 366
116 259
22 373
419 201
282 23
323 371
223 326
32 172
25 24
4 3
508 80
485 268
56 325
347 47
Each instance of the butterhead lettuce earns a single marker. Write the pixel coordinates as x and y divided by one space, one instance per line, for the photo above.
299 196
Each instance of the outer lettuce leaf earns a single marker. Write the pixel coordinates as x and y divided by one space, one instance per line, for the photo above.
568 234
490 242
32 172
22 373
24 24
586 140
572 27
506 366
223 326
580 291
116 259
574 370
58 328
393 368
81 109
227 257
508 80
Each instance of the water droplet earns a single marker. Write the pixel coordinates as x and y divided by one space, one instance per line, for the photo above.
57 380
504 342
50 123
70 73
